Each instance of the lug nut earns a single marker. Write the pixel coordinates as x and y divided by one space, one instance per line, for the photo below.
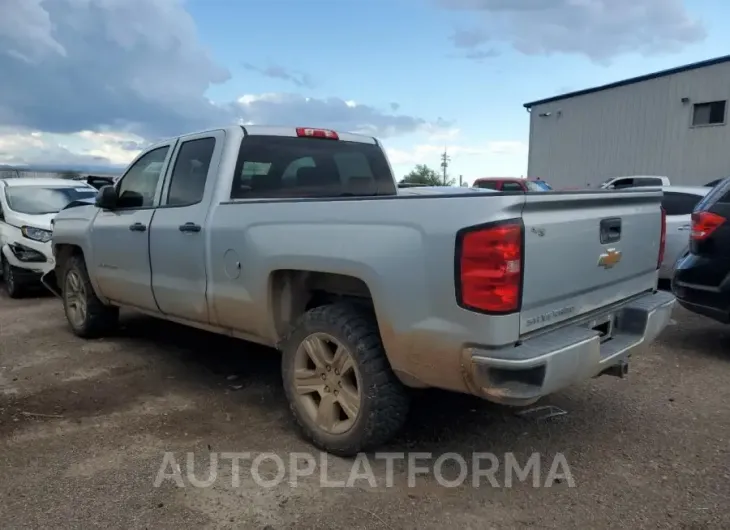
339 383
326 389
337 372
324 377
329 368
336 392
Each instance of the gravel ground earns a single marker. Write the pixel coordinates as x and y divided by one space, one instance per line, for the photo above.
84 426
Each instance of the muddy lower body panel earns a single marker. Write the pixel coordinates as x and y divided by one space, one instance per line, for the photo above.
548 363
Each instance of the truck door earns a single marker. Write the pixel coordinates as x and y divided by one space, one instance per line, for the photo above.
178 236
120 237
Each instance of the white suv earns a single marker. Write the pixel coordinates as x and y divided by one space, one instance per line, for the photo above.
27 206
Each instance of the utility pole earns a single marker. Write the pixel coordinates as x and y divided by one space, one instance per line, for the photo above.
445 163
461 180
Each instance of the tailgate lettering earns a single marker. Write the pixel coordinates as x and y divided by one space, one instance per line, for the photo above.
547 317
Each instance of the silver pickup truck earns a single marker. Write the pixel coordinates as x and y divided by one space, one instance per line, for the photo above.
300 239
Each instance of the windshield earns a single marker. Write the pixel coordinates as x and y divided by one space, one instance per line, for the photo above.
39 200
538 185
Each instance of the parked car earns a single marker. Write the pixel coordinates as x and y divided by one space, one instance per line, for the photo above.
511 184
99 181
300 239
701 282
619 183
27 206
678 203
714 183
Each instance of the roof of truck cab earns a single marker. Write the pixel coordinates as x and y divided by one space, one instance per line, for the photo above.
271 130
31 181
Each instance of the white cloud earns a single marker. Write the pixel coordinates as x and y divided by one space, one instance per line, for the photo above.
27 25
598 29
138 66
333 113
84 147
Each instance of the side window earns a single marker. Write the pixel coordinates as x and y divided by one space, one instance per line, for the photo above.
679 203
512 186
621 184
137 186
487 184
190 172
648 181
2 215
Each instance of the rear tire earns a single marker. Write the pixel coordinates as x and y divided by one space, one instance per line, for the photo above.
371 405
87 316
14 287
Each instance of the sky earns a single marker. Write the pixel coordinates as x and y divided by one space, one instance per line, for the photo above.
95 81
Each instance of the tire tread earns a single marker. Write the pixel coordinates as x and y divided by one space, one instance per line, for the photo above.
388 399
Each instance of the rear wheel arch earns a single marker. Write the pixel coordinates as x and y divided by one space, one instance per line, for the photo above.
293 292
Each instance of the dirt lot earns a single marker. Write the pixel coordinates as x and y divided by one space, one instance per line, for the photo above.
84 427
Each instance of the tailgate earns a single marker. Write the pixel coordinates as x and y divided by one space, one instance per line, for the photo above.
587 250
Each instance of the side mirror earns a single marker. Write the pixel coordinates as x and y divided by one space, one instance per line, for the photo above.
106 198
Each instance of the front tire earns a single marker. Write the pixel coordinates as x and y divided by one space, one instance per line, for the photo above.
87 316
14 287
341 388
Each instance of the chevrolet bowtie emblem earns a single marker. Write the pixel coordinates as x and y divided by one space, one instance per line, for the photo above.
609 258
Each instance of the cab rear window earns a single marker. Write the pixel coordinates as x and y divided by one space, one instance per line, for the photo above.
287 167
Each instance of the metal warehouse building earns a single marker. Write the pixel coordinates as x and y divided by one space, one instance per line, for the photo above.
672 123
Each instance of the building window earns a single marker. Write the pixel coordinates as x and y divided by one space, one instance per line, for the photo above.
712 113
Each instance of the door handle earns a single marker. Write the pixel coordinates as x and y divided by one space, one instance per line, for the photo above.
610 230
137 227
685 227
189 227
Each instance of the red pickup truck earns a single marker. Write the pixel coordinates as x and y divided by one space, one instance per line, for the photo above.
511 184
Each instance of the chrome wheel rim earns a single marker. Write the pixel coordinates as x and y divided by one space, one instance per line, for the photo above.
75 297
327 383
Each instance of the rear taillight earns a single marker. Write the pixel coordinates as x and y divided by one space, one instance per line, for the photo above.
704 224
489 267
662 238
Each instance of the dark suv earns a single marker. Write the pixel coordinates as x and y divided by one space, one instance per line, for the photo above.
701 281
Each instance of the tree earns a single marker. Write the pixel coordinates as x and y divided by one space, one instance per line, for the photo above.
425 176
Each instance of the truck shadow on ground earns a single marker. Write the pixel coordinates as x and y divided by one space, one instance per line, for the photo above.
711 340
439 421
